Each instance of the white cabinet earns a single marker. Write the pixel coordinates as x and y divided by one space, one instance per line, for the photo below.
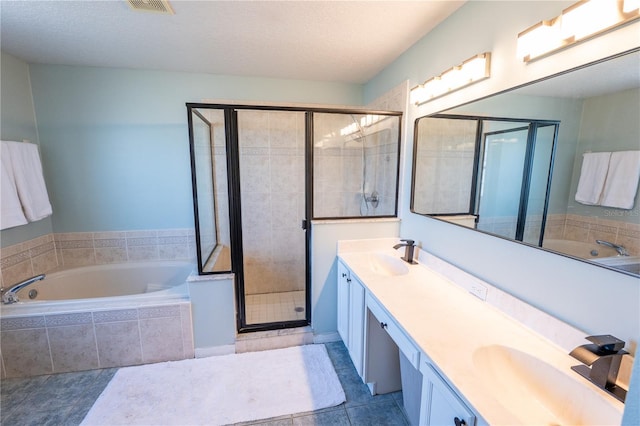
344 277
440 405
351 315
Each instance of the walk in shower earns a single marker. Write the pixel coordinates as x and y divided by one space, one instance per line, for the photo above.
263 175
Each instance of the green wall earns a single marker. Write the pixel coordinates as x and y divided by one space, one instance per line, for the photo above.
18 123
116 140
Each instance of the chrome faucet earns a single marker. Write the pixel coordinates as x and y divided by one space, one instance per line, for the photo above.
620 249
408 245
10 296
601 360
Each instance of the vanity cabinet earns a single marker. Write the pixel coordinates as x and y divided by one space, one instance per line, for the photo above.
440 405
351 310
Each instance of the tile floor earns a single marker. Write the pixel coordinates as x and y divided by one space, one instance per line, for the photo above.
275 307
64 399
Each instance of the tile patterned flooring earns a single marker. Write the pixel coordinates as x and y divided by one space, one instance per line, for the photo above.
64 399
275 307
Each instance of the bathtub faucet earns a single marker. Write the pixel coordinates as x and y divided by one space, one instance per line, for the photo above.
620 249
9 296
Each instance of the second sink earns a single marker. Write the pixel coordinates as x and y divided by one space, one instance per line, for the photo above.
522 381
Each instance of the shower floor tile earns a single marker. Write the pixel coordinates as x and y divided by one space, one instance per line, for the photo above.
275 307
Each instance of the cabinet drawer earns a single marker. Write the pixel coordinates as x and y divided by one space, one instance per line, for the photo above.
398 336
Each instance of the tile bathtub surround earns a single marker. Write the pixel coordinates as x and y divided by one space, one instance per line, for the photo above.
55 343
588 229
24 260
63 250
91 248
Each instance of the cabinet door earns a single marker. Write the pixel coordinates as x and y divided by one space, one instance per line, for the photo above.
441 405
343 302
356 324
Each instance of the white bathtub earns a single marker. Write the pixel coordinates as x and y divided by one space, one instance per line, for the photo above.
580 249
103 286
99 317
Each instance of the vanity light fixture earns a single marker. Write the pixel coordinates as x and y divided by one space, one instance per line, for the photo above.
471 71
581 21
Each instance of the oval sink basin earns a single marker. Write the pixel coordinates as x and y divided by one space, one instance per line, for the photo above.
389 266
539 393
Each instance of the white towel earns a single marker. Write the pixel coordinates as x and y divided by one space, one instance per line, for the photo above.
27 171
622 180
592 177
11 213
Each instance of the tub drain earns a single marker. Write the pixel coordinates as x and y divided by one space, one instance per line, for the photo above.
299 309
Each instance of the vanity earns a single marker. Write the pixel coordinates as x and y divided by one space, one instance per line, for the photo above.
462 351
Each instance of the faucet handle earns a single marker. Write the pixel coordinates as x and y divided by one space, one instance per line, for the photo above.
606 343
409 242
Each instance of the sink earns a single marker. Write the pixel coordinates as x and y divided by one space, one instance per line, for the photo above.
387 265
539 393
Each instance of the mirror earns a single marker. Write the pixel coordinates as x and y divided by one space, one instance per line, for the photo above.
510 164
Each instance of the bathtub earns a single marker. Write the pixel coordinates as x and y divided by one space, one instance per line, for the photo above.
98 285
98 317
580 249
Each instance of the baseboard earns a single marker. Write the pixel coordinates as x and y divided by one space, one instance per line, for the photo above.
326 337
215 351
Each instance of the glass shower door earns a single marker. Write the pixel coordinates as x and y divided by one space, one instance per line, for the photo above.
271 148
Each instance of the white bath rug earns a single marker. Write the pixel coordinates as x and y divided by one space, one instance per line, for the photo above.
220 390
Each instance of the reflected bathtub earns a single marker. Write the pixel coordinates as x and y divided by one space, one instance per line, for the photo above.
580 249
97 317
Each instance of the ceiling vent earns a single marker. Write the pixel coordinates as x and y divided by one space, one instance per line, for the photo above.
158 6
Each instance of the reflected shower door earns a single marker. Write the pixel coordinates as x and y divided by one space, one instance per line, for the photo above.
538 187
501 181
271 148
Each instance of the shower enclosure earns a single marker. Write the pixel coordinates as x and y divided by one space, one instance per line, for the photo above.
262 175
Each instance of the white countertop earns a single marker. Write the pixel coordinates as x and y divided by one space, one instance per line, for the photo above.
449 326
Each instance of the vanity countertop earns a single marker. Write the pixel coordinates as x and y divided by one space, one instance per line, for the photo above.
469 341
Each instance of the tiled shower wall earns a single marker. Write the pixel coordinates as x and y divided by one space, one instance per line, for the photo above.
63 250
339 171
272 180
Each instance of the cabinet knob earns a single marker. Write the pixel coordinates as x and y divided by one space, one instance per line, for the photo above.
459 422
384 325
348 280
344 274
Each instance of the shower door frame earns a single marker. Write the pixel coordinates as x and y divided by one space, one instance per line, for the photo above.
235 205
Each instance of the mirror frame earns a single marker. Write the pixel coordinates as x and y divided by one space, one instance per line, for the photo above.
448 111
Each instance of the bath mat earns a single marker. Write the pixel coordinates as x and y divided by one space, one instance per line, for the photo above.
220 390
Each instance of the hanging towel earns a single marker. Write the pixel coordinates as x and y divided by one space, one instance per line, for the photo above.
11 213
592 177
622 180
29 179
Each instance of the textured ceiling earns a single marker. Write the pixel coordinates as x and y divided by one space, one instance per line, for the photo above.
342 41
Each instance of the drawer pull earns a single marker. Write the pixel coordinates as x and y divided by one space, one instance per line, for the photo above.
459 422
383 325
348 280
344 274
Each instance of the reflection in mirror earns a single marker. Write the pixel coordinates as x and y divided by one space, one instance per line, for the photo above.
596 109
491 174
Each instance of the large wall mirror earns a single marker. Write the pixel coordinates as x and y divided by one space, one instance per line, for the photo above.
552 164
